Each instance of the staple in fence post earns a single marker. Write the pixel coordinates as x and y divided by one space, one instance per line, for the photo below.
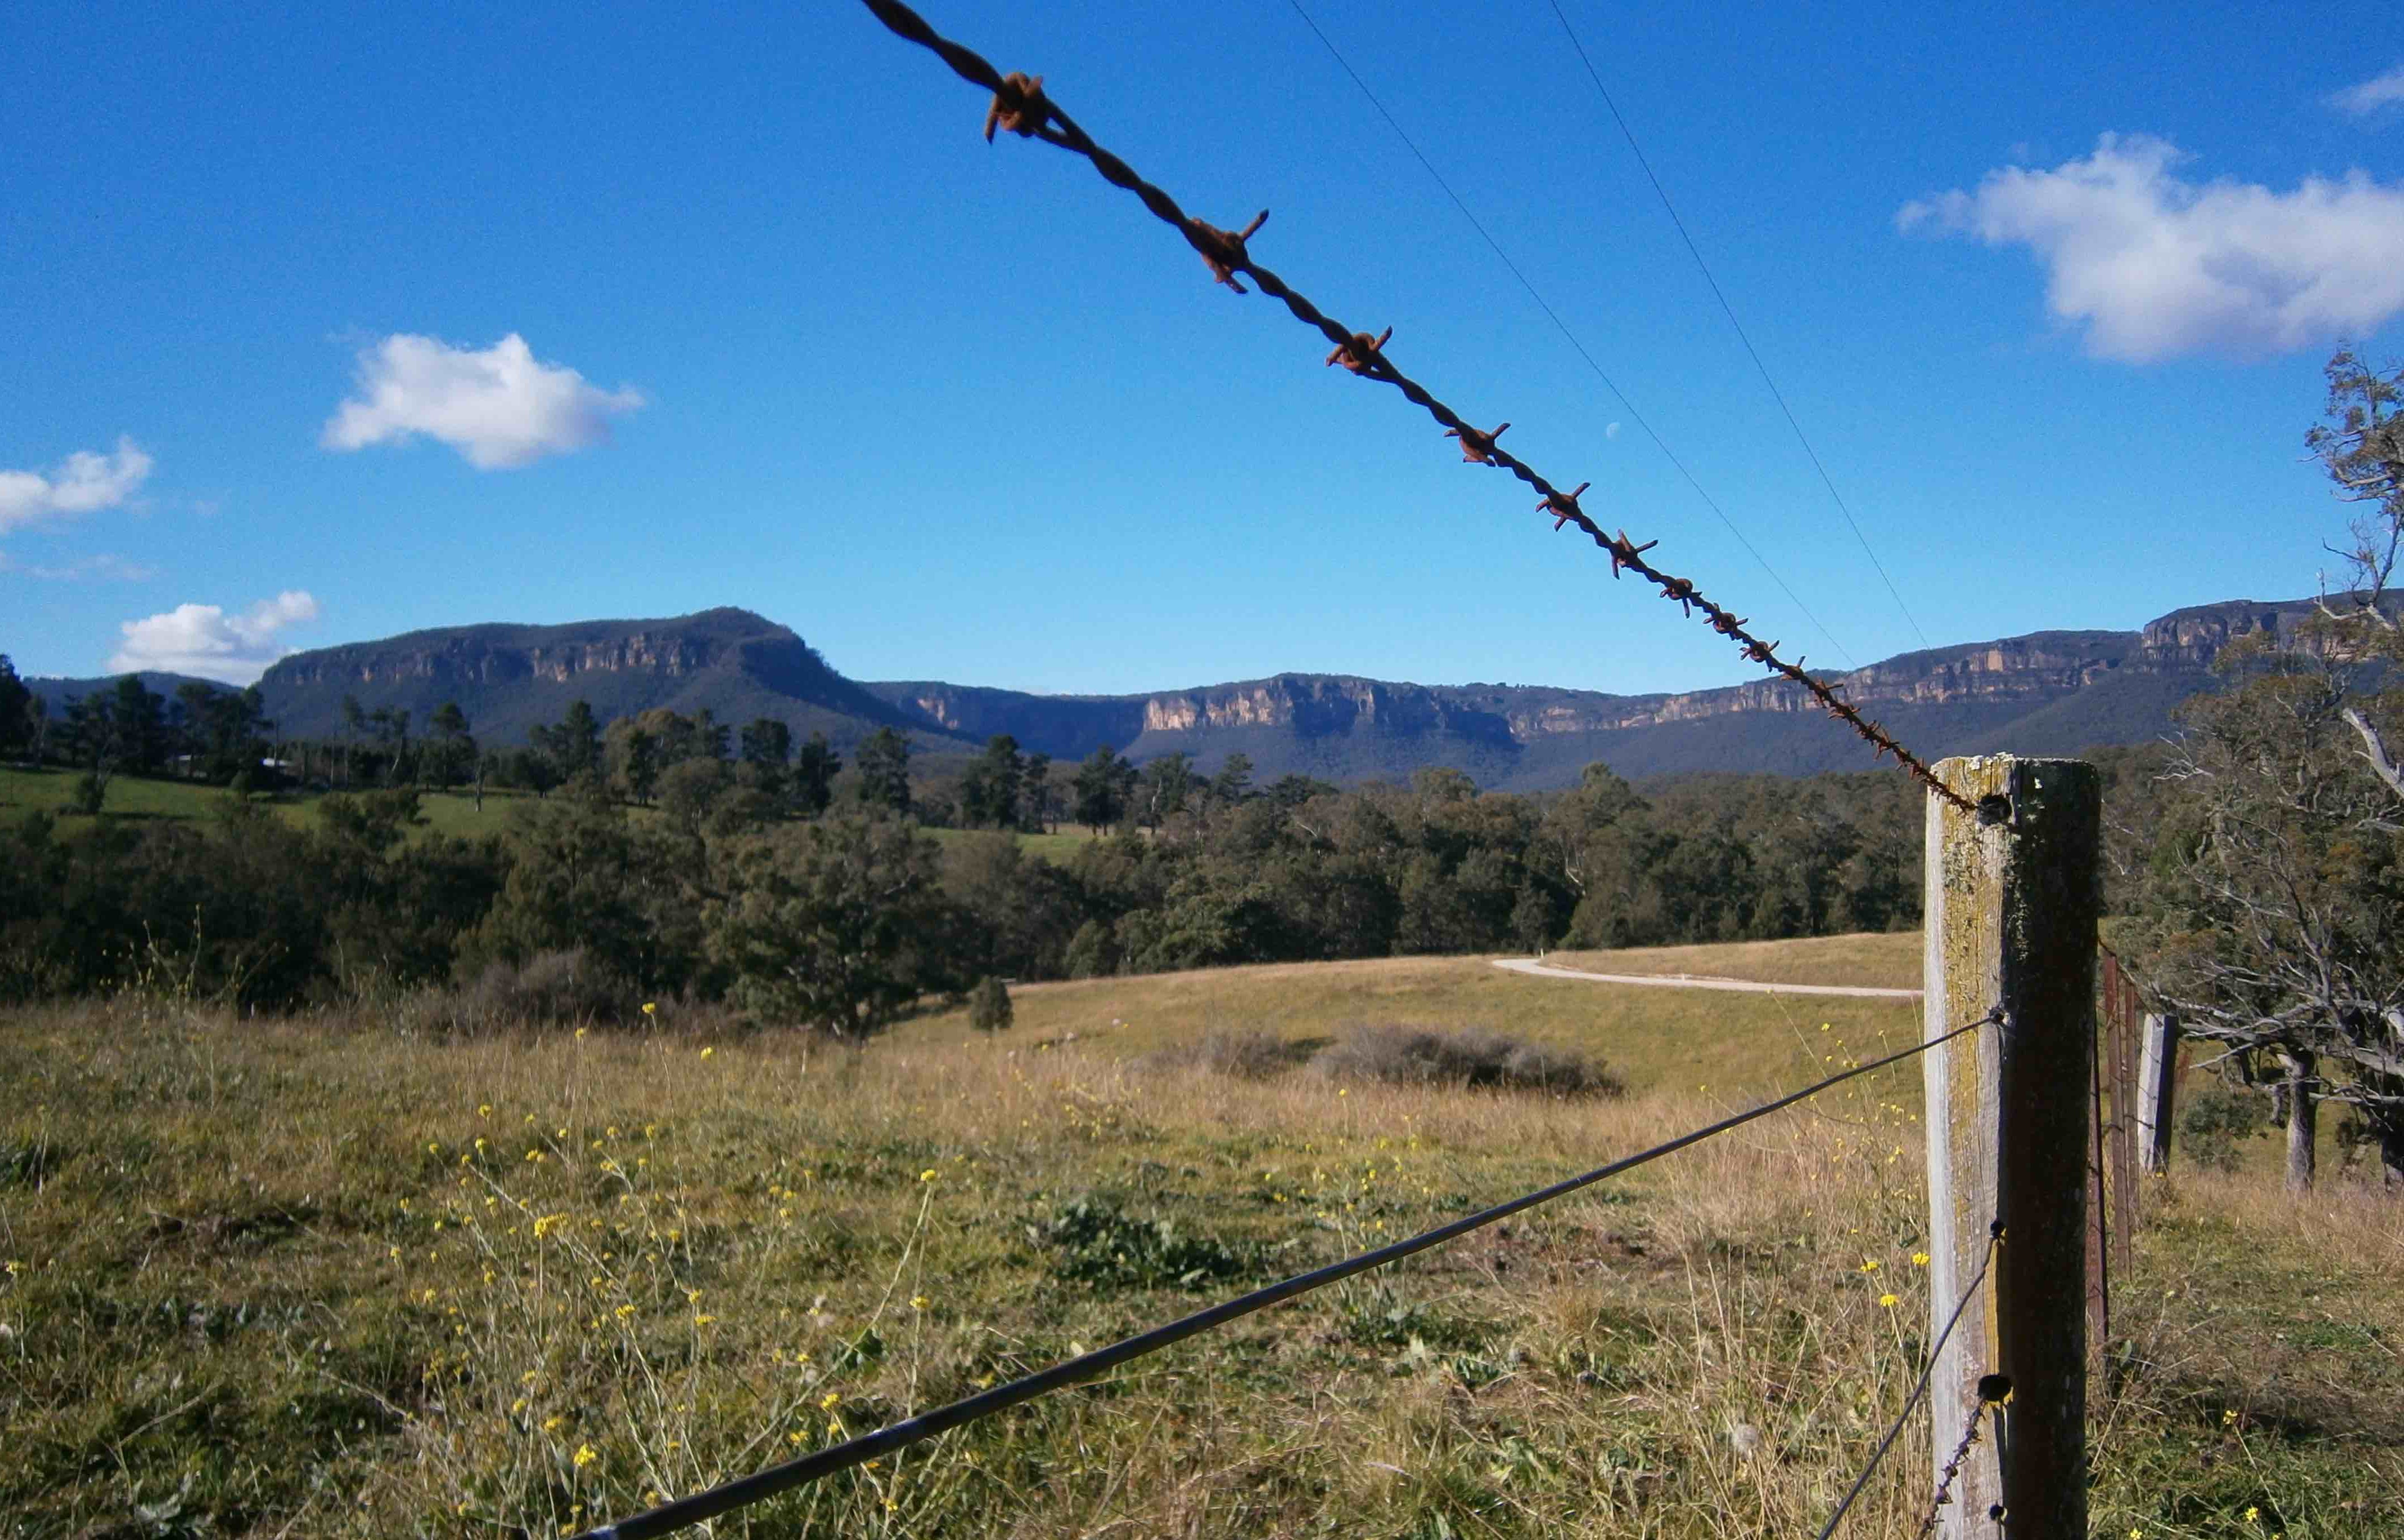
2156 1089
2013 894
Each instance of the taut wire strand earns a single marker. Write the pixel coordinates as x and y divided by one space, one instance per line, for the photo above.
761 1485
1912 1402
1037 113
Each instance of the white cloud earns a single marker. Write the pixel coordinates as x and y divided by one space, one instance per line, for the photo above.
2379 91
84 482
203 639
2156 266
499 407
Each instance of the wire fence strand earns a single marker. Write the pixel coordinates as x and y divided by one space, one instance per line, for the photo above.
761 1485
1021 104
1912 1402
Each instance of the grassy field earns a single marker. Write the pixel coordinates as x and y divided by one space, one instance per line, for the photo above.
1887 961
131 798
321 1278
455 813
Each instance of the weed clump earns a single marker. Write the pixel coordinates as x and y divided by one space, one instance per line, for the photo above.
1095 1242
1475 1057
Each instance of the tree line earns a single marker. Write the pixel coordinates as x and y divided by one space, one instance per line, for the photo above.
685 859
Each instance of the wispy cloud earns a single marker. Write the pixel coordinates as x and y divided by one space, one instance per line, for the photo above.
2158 267
500 406
108 567
203 640
85 482
2376 95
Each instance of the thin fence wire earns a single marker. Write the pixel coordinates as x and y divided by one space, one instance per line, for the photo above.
1729 311
1920 1389
1019 104
1544 304
761 1485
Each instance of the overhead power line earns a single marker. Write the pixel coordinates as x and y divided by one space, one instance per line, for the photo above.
1542 303
1729 311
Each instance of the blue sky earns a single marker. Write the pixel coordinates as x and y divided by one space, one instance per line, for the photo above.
319 329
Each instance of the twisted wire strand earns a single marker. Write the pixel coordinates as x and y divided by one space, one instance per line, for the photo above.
761 1485
1224 251
1911 1403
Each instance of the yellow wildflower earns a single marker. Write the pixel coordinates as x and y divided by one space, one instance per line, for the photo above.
585 1456
1920 1259
1888 1301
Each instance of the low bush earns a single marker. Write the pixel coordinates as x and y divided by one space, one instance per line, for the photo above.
1247 1054
1475 1057
2212 1123
549 987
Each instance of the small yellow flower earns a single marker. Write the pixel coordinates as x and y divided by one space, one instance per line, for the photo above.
1920 1259
1888 1301
828 1402
927 1175
551 1423
705 1320
535 1157
1870 1266
1345 1091
579 1034
650 1008
625 1311
918 1302
2229 1417
518 1405
707 1052
2253 1516
485 1111
585 1456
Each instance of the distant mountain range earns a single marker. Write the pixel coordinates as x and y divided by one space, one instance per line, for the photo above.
2049 693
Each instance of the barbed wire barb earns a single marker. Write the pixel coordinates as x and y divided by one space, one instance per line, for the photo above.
1228 258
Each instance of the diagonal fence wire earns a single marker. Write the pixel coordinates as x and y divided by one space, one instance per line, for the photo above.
1729 311
761 1485
1020 105
1563 327
1912 1402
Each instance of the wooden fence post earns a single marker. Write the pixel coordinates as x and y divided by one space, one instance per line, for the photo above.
2013 896
2157 1089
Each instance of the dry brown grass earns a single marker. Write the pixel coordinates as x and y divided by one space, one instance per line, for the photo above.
257 1282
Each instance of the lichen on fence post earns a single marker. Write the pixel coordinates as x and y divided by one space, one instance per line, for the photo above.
2012 899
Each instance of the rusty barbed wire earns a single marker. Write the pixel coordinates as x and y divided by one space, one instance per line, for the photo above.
1020 105
1993 1391
1994 1387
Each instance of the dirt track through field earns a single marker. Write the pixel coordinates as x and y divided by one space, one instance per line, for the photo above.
1683 981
